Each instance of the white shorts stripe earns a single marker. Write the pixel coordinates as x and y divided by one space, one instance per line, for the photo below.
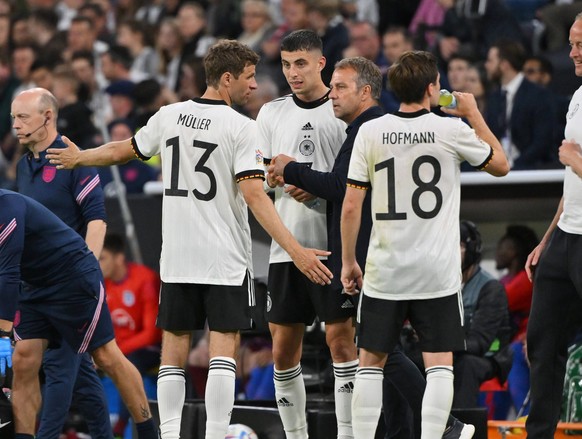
91 330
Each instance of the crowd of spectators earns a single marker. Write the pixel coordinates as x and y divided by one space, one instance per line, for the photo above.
110 61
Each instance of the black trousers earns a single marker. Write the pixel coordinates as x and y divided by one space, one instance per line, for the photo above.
470 371
555 316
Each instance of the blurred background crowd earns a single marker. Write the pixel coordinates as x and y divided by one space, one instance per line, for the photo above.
112 63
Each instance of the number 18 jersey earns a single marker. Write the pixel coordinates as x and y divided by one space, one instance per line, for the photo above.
412 163
206 149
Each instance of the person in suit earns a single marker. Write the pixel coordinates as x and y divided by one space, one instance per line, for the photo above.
517 111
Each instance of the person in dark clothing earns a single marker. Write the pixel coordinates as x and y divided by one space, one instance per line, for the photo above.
486 324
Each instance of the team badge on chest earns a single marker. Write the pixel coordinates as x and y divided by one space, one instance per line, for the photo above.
128 298
48 173
306 147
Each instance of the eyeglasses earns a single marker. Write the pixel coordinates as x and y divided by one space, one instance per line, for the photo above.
531 71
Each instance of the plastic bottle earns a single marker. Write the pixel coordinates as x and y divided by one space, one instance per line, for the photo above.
447 99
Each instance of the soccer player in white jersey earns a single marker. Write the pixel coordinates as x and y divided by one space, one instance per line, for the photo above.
556 312
303 125
411 160
211 167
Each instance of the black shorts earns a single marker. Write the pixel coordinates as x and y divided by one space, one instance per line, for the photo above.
187 307
436 321
75 311
292 298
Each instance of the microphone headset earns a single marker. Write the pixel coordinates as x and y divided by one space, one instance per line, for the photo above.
46 119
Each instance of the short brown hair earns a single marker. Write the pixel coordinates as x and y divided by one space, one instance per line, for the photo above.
411 75
227 56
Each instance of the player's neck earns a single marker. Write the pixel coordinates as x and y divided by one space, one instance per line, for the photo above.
413 108
217 95
38 147
313 95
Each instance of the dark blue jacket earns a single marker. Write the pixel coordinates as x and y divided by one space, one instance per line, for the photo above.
532 124
75 196
331 186
37 248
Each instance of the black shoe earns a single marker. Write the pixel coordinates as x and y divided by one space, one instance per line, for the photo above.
459 431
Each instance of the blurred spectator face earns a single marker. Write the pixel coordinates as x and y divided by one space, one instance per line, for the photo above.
457 74
83 70
99 21
365 40
395 44
120 131
294 13
4 30
20 32
188 88
492 65
42 77
65 90
125 37
532 69
121 106
168 36
190 21
110 262
80 37
107 67
254 15
22 59
474 85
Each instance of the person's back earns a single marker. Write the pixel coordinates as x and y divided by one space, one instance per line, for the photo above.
422 152
195 132
47 258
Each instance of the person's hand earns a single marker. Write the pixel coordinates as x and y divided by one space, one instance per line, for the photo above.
352 278
5 354
466 105
299 195
533 259
64 158
569 152
278 163
306 260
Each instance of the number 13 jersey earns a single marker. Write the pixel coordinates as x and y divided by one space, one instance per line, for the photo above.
412 163
206 149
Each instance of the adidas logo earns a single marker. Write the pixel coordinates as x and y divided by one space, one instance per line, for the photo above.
347 304
307 127
346 388
283 402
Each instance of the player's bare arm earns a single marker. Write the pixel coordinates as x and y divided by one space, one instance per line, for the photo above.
112 153
350 226
534 256
467 108
264 211
95 235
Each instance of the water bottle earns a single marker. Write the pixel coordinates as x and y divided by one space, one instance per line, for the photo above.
447 100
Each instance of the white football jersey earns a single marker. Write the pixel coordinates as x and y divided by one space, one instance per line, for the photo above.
412 163
206 148
309 132
571 218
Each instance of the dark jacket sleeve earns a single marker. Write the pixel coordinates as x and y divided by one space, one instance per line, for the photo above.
490 319
11 247
330 186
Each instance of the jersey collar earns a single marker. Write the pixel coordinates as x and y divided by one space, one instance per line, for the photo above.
313 104
413 114
209 101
